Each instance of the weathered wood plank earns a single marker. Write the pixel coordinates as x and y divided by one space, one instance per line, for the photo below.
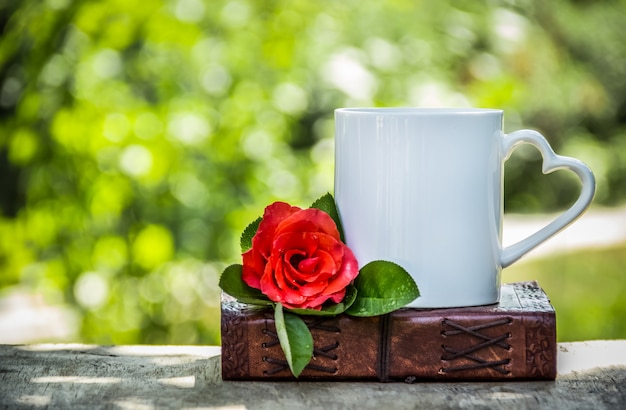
592 375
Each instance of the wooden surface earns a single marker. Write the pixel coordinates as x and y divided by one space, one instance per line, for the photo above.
591 375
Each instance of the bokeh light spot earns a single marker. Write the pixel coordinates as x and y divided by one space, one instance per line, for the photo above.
290 98
189 128
107 63
91 290
136 160
153 246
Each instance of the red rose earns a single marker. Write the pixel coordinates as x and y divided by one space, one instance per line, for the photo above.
298 259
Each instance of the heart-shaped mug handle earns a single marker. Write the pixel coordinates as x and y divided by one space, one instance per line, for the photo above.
551 163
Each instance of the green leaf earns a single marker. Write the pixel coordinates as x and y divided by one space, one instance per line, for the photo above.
232 283
248 234
327 204
331 310
295 339
382 287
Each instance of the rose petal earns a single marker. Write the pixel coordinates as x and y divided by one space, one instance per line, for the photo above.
290 291
292 244
337 297
308 266
316 303
327 266
309 220
314 246
304 241
273 215
333 246
253 268
294 257
349 270
271 283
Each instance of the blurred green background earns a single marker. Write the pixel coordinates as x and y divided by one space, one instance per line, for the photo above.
138 138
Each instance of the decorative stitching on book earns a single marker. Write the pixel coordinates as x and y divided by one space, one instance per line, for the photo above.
324 351
451 353
319 324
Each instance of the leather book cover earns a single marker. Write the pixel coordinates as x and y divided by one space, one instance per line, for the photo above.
511 340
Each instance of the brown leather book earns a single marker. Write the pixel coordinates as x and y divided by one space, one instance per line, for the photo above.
513 339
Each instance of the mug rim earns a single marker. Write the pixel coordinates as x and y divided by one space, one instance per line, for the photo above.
416 110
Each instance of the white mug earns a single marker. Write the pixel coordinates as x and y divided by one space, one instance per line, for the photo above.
424 188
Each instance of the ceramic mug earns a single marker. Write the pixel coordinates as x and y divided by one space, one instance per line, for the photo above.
424 188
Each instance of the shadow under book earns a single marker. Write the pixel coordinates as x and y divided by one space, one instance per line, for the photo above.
513 339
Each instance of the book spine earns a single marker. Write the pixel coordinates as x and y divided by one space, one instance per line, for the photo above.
235 346
541 346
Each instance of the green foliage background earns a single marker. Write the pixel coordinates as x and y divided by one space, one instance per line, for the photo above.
139 138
